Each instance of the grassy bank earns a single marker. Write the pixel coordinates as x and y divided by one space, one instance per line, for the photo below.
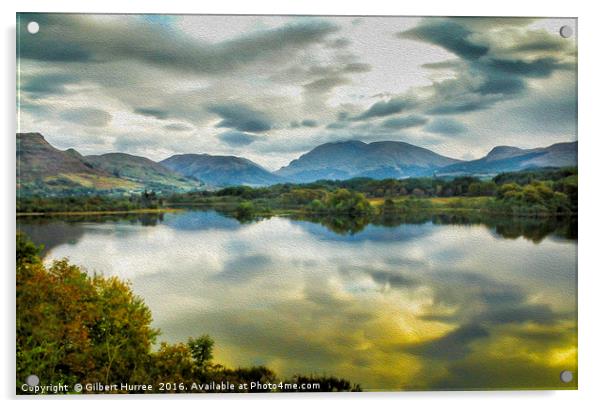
531 193
106 212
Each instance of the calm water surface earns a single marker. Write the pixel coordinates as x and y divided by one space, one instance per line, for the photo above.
411 306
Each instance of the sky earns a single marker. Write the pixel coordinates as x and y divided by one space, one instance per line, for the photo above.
271 88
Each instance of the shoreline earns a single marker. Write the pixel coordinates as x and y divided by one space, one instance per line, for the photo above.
102 212
297 211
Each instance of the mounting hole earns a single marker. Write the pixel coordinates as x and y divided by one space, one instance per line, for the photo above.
566 31
33 27
32 380
566 376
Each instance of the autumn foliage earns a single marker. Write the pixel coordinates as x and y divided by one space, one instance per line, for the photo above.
73 327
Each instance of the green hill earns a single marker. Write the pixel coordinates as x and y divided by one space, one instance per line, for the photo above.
141 170
44 170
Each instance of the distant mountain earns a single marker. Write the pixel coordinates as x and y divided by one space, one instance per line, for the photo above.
507 158
220 171
36 158
343 160
43 169
152 175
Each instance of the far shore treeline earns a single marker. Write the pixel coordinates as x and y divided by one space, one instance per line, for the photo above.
538 192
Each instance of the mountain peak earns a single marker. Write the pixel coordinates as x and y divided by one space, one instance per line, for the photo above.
349 142
502 152
507 159
354 158
33 138
30 135
220 171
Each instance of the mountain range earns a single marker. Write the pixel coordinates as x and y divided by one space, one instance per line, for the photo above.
43 169
221 170
508 158
46 170
379 160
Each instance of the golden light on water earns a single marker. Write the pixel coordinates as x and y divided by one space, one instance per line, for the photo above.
413 307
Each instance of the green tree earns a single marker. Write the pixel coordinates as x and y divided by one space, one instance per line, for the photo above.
343 201
201 349
27 251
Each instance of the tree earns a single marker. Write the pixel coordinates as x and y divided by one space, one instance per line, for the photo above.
343 201
27 251
201 349
72 327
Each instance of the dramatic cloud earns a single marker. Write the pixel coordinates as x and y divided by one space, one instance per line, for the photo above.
385 108
80 38
235 138
488 71
48 84
241 117
454 345
162 85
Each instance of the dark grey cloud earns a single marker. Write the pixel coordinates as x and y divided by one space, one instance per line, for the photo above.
87 116
501 85
153 112
445 126
454 345
385 108
488 71
48 84
324 85
405 122
241 117
311 123
449 34
541 314
77 38
539 68
235 138
46 45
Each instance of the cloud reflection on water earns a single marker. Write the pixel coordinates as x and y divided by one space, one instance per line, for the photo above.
414 306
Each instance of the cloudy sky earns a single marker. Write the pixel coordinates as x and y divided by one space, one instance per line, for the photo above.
271 88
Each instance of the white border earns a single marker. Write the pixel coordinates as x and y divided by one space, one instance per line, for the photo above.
590 341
